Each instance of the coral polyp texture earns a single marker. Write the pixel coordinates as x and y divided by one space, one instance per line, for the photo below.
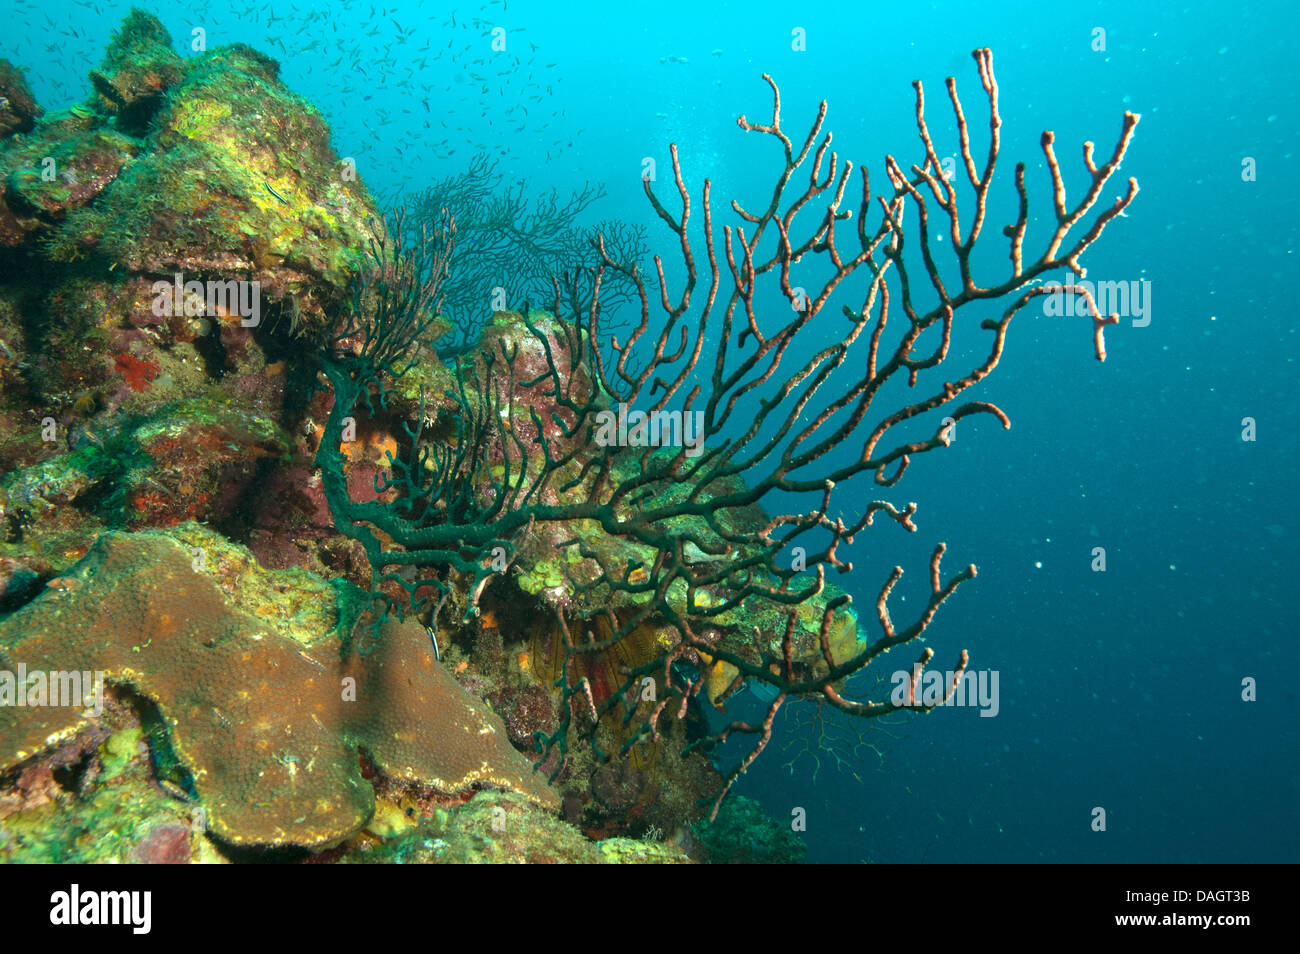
269 730
373 569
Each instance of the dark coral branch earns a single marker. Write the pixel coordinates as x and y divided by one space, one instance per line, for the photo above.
526 453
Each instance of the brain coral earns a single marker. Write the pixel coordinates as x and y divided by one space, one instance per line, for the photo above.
271 732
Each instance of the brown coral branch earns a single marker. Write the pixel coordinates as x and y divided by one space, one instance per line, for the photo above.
675 537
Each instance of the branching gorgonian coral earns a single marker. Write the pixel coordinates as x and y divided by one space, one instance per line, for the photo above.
690 468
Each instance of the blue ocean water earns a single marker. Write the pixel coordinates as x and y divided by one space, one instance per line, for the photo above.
1120 689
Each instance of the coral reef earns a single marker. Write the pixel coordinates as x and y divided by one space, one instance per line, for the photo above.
232 174
101 802
18 109
642 527
206 176
368 580
268 729
123 406
742 834
127 409
504 828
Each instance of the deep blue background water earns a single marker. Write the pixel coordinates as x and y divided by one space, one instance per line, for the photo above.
1119 689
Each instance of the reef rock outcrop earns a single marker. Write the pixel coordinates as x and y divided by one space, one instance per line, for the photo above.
267 719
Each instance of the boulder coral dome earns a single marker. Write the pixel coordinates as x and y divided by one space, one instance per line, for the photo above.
271 731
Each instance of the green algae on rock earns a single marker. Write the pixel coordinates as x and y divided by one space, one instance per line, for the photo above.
209 167
18 109
181 462
496 827
138 69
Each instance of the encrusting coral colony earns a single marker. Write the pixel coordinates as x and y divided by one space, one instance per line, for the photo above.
356 596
